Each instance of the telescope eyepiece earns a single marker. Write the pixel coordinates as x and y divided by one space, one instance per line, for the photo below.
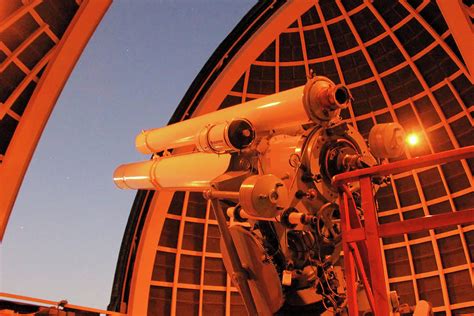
341 95
241 134
323 100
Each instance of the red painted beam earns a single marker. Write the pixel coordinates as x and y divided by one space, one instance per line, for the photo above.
415 225
405 165
354 235
427 222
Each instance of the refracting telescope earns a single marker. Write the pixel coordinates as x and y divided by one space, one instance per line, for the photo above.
267 165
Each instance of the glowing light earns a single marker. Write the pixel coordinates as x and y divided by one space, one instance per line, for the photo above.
412 139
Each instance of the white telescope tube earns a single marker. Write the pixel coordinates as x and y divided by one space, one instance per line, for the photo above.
191 172
225 137
318 101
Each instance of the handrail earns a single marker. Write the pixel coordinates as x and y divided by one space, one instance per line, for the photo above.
367 237
55 304
405 165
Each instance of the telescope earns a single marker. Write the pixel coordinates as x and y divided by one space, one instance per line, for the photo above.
235 128
268 165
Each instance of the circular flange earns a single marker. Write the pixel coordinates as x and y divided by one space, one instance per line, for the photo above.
263 195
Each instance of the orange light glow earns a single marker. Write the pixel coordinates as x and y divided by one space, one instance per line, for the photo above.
412 139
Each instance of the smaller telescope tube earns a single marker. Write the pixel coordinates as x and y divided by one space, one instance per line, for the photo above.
293 218
319 101
225 137
239 214
191 172
323 100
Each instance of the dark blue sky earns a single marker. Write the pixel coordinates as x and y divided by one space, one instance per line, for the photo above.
64 234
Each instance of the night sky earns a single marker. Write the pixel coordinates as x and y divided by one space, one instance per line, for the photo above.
64 235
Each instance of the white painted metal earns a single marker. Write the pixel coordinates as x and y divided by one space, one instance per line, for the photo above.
192 172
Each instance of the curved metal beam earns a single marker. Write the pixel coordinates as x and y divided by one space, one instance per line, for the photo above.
31 125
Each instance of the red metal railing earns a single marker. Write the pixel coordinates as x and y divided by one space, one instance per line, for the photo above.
361 241
55 306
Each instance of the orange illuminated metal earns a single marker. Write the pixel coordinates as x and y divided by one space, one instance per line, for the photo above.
458 18
318 101
249 52
191 172
361 244
35 300
61 60
262 113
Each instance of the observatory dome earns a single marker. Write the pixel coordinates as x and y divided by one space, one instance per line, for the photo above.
402 64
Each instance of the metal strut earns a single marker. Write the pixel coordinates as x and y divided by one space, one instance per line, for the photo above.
240 275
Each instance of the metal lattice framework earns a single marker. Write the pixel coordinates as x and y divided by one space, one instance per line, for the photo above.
40 42
401 63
